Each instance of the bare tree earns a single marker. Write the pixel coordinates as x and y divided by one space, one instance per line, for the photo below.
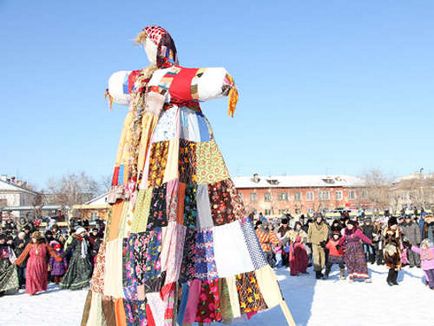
375 192
105 183
73 188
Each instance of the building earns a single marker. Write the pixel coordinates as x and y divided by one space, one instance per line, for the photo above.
14 195
93 209
277 195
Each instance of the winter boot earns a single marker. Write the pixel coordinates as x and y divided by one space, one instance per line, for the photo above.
342 274
318 275
395 277
389 277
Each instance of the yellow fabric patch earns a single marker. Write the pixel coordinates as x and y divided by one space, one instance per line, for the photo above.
141 211
171 172
211 167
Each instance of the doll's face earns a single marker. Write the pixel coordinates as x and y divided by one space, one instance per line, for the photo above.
151 51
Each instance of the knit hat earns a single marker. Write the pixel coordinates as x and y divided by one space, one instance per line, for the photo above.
80 230
392 221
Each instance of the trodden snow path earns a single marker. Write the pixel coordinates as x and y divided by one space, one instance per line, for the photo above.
314 303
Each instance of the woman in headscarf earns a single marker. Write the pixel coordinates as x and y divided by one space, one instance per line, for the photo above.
37 267
298 259
79 268
8 272
354 256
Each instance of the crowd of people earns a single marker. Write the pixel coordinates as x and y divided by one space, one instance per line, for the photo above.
350 243
30 257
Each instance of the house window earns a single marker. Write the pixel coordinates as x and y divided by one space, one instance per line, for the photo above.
309 196
267 212
267 196
352 194
339 195
283 196
324 195
253 197
297 196
364 194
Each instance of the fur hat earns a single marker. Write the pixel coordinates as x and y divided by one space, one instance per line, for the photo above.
36 235
80 230
352 222
392 221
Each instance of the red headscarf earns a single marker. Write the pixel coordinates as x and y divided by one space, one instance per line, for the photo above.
166 49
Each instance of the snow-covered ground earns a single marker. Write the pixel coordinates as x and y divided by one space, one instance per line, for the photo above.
313 303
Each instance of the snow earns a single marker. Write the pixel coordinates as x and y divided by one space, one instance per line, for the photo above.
313 303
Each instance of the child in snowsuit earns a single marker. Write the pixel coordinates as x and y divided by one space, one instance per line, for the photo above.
426 252
57 268
336 255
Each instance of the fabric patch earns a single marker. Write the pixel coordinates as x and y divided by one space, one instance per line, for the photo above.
253 245
204 128
225 301
204 219
204 261
189 125
208 309
157 163
211 167
251 299
187 162
172 172
172 200
226 204
167 127
113 269
135 311
152 254
172 250
188 256
97 282
158 307
230 250
190 206
141 210
158 214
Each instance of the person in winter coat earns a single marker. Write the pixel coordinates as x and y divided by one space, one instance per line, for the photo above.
377 242
8 272
37 268
57 268
79 271
426 252
428 228
298 259
317 236
20 244
392 250
411 233
354 256
368 230
336 254
267 238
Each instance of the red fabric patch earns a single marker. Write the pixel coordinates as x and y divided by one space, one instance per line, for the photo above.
132 79
115 179
149 317
180 89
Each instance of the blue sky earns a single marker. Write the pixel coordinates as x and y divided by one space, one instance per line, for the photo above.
325 86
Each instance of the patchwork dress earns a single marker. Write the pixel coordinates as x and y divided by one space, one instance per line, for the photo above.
178 245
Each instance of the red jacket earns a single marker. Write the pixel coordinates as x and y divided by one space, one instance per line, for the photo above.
331 246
